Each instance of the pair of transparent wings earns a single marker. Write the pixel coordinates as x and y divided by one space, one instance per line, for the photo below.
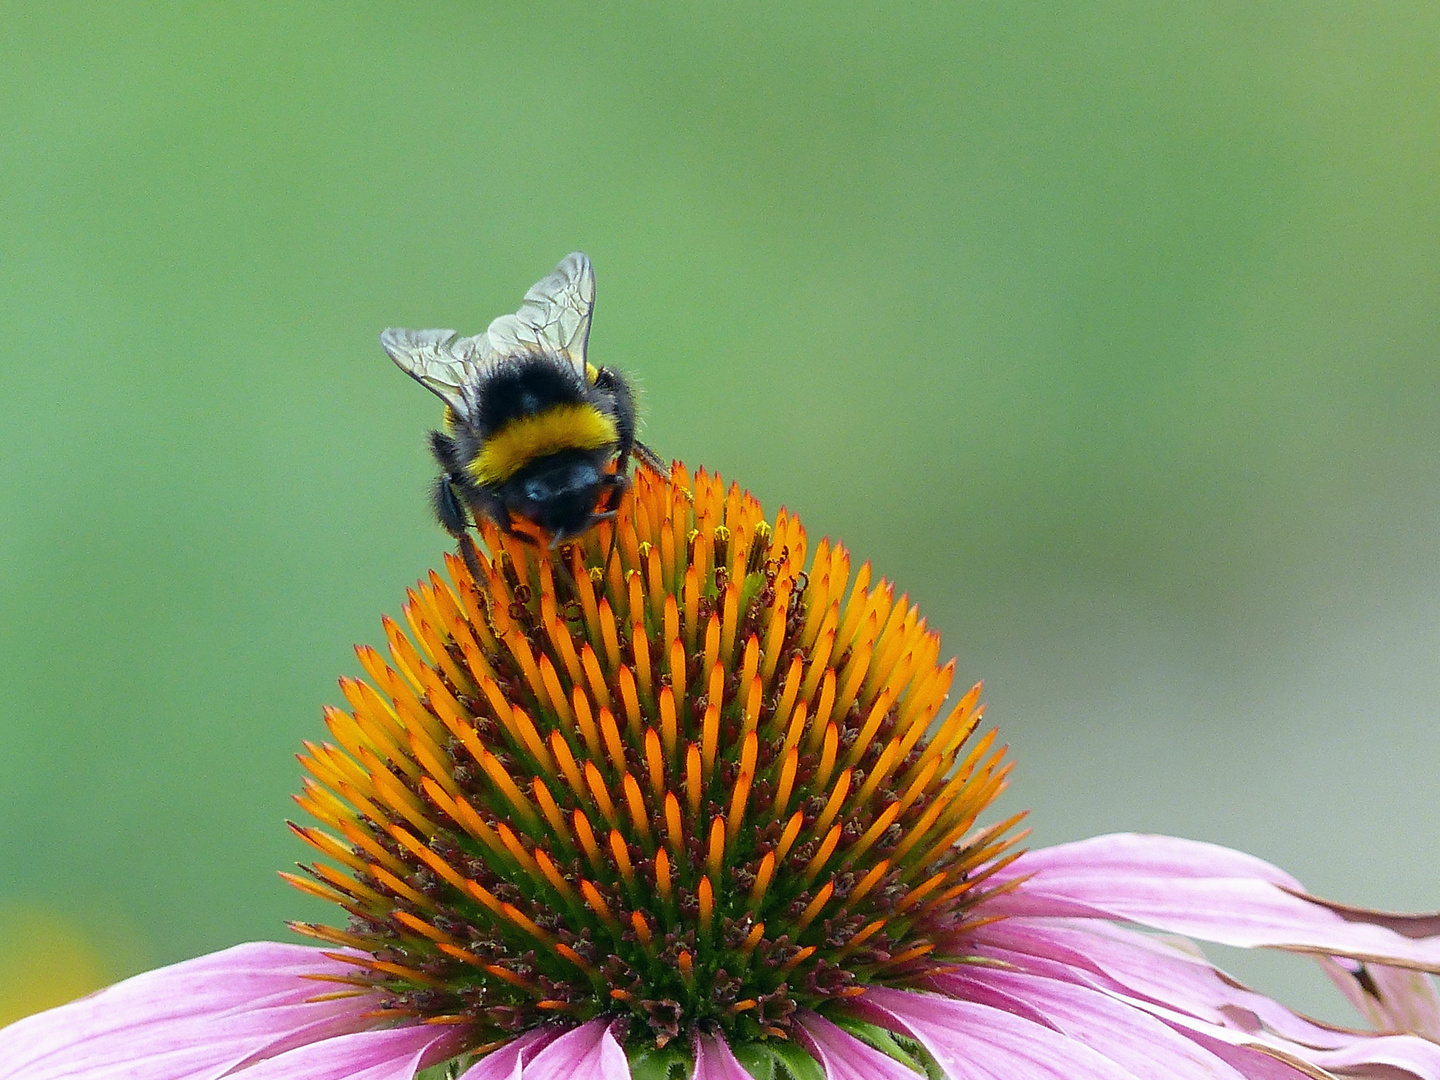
553 321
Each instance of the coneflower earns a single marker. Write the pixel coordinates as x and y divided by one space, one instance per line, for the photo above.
685 798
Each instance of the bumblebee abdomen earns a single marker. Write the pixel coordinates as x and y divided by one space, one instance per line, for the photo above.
522 386
526 439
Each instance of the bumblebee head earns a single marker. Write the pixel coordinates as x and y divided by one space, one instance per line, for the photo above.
559 493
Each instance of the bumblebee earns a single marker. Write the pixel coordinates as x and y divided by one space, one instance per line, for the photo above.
533 432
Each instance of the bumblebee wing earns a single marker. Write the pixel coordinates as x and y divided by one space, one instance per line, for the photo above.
439 360
554 320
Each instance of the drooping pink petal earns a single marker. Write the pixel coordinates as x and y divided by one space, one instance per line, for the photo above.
1254 1064
976 1042
391 1054
1140 1043
1203 891
1110 957
1401 1057
714 1061
196 1019
844 1057
1412 1055
506 1062
587 1052
1392 999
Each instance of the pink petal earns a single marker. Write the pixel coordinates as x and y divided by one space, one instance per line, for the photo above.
714 1061
588 1052
1255 1064
845 1057
1392 999
1169 856
1403 1057
392 1054
505 1063
1412 1055
1208 892
192 1020
975 1042
1112 958
1130 1038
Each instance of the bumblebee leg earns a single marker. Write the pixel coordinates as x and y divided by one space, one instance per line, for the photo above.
622 409
616 484
472 560
448 507
648 457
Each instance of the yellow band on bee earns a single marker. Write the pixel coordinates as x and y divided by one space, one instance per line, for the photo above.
560 427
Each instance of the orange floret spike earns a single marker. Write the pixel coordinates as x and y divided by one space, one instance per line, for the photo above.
655 759
669 724
694 781
662 875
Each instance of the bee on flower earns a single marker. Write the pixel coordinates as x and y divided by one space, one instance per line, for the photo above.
684 798
678 795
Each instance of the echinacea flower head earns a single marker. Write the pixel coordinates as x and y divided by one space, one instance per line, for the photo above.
669 775
690 797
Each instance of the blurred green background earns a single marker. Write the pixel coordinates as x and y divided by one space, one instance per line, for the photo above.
1109 331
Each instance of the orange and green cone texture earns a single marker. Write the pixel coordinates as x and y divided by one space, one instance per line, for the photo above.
683 770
